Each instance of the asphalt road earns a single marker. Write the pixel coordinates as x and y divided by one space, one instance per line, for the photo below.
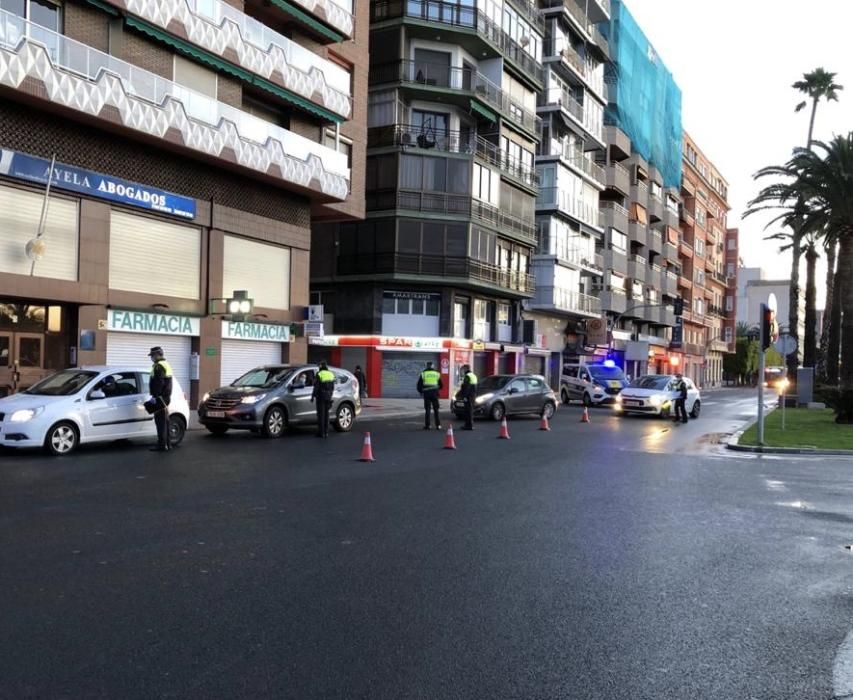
626 558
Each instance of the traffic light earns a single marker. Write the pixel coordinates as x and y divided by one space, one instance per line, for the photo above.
678 306
769 327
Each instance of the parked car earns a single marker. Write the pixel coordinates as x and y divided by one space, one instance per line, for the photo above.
655 394
595 384
87 404
270 398
509 394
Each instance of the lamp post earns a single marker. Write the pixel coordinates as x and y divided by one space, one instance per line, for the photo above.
783 383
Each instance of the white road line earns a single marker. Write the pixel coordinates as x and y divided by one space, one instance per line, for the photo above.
842 670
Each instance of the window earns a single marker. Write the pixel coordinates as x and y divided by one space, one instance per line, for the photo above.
460 319
730 303
344 145
730 270
267 112
618 240
118 384
729 334
731 244
700 247
195 77
534 384
482 186
41 12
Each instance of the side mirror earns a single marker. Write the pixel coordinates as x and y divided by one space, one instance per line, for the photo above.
292 388
512 390
97 394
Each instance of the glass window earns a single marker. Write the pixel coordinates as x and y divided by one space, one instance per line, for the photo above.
388 305
432 307
29 352
435 175
118 384
411 172
418 307
534 384
62 383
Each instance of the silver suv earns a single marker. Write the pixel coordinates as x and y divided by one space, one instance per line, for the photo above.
268 399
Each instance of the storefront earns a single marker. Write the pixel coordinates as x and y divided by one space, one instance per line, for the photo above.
132 334
248 345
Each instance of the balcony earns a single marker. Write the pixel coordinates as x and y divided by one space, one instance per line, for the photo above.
561 249
530 13
670 252
655 208
613 299
614 215
638 232
225 32
435 77
456 205
337 14
576 159
669 283
560 96
685 249
54 69
462 270
637 268
618 178
465 17
577 208
616 260
694 349
583 23
670 217
581 70
560 299
640 193
655 241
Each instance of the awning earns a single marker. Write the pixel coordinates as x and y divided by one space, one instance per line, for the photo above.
220 64
538 352
483 112
318 27
638 213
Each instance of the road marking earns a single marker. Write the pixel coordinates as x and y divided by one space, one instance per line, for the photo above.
842 670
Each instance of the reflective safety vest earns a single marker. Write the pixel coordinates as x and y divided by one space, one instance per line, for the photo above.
165 365
472 378
325 375
430 378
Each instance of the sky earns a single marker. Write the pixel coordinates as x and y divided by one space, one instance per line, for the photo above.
735 61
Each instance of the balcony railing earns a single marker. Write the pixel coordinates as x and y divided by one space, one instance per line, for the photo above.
694 349
567 300
573 206
451 141
560 96
459 79
606 207
456 15
531 13
560 249
91 81
436 266
576 13
577 158
457 205
562 48
225 31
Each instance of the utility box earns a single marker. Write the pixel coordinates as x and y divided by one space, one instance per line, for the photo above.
805 385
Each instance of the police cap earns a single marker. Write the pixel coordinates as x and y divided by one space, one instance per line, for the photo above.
155 351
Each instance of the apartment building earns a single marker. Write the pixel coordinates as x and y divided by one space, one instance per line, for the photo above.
440 266
567 260
193 142
704 283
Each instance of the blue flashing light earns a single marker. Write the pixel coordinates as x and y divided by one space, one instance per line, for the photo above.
609 363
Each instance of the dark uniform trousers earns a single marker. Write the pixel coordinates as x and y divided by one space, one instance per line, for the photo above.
161 421
323 406
431 403
681 410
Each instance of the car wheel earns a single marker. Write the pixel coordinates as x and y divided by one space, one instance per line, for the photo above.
564 397
344 418
62 439
587 400
177 430
549 410
498 411
697 406
217 430
275 421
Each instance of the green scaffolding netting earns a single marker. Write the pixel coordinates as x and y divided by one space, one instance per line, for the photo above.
647 103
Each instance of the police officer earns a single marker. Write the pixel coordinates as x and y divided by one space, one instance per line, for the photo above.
324 388
160 388
468 393
429 384
680 400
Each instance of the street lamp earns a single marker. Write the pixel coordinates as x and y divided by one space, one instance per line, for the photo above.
238 306
783 385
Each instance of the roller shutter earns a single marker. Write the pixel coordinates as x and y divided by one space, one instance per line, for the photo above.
400 372
239 356
132 349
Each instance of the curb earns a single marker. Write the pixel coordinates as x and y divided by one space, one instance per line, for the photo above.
734 445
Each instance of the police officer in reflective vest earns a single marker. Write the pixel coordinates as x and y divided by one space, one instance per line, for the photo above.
324 389
429 384
468 393
160 388
680 387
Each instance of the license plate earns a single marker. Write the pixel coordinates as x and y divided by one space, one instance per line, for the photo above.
633 403
216 414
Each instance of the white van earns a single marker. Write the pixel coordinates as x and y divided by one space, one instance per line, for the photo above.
595 383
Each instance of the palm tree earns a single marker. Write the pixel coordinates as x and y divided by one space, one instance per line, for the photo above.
827 363
817 191
817 85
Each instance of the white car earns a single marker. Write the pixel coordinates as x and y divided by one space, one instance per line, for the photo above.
655 394
87 404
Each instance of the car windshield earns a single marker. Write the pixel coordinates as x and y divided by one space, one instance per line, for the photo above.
64 383
263 377
651 382
603 372
493 383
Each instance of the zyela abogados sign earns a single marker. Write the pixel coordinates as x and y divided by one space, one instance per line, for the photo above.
67 177
143 322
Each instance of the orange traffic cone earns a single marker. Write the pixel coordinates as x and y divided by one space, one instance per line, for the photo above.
543 425
367 450
585 416
449 442
504 434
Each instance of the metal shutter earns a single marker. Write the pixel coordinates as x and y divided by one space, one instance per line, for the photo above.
400 372
260 268
132 349
239 356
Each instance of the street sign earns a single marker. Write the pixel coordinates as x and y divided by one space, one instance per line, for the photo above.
785 345
596 331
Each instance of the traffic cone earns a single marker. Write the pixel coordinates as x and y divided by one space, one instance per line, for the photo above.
367 450
543 425
585 416
504 434
449 442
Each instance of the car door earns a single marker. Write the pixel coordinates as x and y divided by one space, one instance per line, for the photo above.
584 380
298 397
514 396
692 395
119 413
534 397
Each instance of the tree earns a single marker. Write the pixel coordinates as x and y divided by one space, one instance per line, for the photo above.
827 365
817 85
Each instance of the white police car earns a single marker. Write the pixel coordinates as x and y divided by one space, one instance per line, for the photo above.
87 404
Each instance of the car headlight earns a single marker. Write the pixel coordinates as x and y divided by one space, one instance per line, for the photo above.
205 397
254 398
598 388
656 400
483 398
25 414
618 398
